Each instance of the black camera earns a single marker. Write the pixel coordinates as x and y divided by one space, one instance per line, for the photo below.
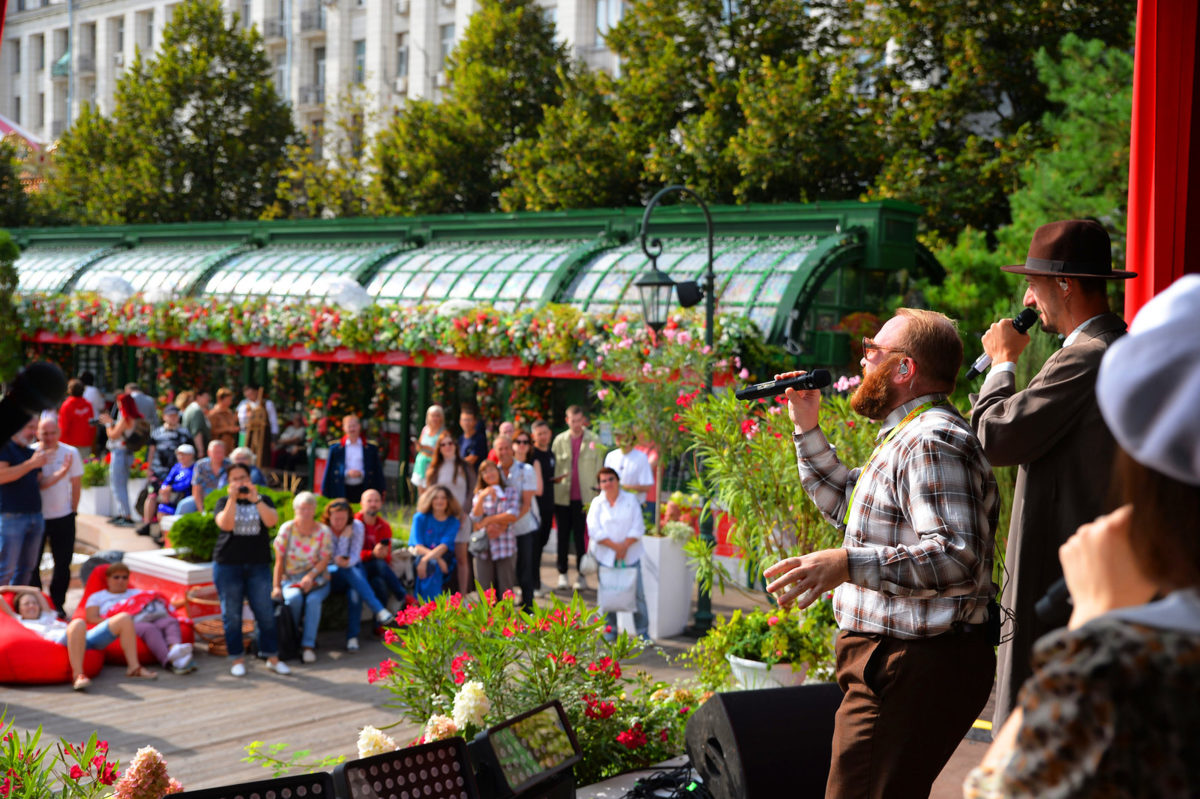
244 490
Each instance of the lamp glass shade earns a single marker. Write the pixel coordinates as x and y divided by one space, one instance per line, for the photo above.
655 289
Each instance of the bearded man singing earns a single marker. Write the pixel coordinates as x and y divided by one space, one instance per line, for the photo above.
912 580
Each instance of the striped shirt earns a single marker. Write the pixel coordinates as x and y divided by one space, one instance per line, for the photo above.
920 533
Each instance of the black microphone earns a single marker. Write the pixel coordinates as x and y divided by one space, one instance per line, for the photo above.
1055 607
818 378
1023 322
39 387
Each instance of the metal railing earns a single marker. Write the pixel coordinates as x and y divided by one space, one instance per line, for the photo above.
312 95
273 29
312 20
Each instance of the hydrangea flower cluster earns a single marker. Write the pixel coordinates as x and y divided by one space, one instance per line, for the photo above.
471 705
439 728
146 777
373 741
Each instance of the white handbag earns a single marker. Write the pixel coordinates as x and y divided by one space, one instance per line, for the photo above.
618 588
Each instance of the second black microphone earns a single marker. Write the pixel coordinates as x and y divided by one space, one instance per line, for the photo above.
818 378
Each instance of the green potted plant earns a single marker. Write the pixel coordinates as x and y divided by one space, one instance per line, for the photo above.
766 648
95 498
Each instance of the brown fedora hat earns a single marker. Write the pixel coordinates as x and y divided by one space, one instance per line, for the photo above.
1074 248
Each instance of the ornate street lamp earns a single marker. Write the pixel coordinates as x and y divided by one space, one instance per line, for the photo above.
655 290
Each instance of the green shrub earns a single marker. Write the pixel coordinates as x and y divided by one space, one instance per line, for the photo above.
95 473
195 535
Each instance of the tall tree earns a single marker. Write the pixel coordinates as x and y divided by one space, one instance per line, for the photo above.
505 72
198 132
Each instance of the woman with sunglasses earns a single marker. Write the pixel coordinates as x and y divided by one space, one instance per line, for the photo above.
152 619
347 571
449 469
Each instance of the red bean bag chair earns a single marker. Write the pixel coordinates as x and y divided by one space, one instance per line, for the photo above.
97 581
26 657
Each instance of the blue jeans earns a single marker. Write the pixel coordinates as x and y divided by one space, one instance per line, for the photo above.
186 505
354 582
641 615
99 637
383 579
118 480
236 582
306 609
20 546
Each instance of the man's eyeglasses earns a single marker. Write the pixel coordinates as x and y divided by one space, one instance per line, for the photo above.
869 346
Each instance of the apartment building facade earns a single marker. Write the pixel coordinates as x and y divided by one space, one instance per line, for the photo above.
397 49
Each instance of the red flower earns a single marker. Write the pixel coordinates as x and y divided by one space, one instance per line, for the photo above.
109 775
76 772
389 636
708 428
632 738
662 736
456 668
749 427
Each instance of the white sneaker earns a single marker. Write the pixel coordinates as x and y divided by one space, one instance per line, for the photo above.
562 582
238 670
279 667
580 583
309 656
179 652
385 616
351 644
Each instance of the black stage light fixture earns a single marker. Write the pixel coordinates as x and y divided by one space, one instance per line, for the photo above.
529 756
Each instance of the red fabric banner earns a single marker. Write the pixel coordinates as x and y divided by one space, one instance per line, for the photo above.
1164 164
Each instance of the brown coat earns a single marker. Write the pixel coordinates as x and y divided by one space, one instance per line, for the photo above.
1054 432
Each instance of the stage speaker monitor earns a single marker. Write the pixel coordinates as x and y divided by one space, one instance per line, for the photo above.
765 744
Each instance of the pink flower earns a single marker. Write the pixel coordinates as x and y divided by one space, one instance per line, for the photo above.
602 394
771 622
744 374
582 366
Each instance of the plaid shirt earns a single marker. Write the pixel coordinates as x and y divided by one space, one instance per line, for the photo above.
504 545
921 529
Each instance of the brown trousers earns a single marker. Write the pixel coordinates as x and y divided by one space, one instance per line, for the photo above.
907 706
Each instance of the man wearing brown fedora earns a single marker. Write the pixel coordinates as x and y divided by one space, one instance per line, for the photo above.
1052 430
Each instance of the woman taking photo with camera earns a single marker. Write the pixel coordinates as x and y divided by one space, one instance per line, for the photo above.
242 568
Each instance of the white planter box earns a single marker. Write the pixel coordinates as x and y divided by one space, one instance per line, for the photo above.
161 571
96 500
752 675
668 578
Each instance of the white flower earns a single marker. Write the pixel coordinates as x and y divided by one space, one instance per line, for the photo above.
439 728
372 741
471 705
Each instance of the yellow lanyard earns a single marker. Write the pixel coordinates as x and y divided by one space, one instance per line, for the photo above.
913 414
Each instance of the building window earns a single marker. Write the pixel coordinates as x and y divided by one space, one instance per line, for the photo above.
17 110
146 30
40 108
608 14
280 76
15 46
360 61
401 55
119 34
39 51
317 138
446 45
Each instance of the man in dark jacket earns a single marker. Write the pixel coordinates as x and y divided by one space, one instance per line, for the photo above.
354 465
1052 429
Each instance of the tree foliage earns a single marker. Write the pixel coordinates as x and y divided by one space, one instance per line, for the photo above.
198 132
337 183
1082 172
10 325
14 204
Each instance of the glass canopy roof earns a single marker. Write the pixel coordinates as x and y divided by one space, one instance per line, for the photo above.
752 274
506 274
293 270
48 268
156 269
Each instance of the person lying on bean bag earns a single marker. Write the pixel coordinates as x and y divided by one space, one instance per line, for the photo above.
152 619
35 614
27 658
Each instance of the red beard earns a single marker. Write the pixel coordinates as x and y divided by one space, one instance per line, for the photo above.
875 396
